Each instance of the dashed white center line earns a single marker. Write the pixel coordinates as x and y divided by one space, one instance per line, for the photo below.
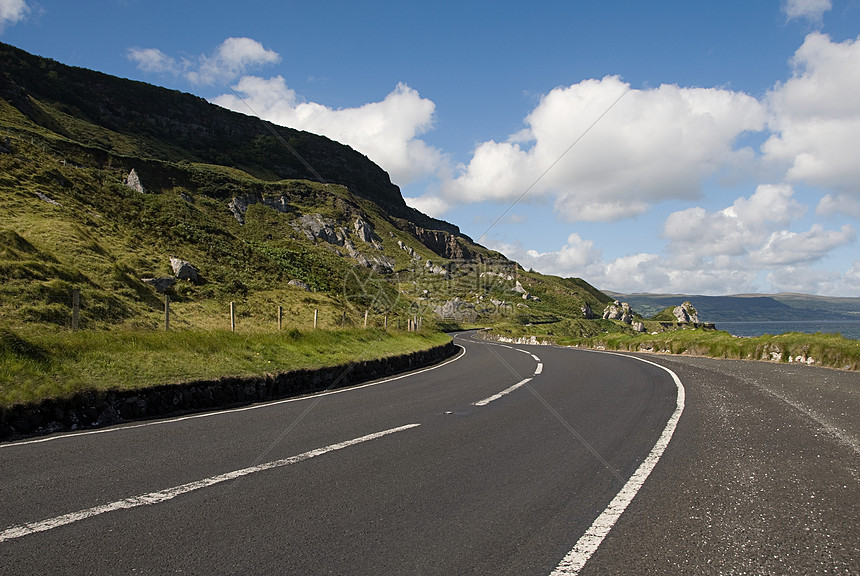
164 495
494 397
538 370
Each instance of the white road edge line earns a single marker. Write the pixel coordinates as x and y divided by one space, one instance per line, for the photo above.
539 368
494 397
588 543
232 410
163 495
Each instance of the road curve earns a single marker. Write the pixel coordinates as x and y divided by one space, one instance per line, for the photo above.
494 463
762 477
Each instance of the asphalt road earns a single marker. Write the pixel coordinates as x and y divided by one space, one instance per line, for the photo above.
494 463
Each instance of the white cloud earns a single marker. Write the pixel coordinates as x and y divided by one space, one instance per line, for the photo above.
815 116
748 222
793 248
387 131
577 257
231 59
12 12
807 280
428 204
852 277
812 10
653 145
719 252
840 204
635 273
154 60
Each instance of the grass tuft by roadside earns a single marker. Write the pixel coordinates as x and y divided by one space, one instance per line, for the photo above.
828 350
37 367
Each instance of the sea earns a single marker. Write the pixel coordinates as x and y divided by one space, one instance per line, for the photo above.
848 328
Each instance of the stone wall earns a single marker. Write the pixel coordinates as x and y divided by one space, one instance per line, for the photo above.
102 408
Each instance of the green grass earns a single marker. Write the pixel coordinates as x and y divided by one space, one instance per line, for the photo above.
829 350
58 365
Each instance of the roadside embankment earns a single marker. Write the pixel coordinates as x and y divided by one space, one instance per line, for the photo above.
95 406
825 350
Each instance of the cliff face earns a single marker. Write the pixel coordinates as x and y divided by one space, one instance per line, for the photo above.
172 126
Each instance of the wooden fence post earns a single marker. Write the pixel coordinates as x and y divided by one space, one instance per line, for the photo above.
280 316
232 317
316 315
365 318
76 308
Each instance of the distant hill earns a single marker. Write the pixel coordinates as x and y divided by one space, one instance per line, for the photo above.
749 307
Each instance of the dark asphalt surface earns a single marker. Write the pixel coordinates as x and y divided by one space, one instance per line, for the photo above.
762 477
754 471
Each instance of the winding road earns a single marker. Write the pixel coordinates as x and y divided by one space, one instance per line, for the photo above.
507 459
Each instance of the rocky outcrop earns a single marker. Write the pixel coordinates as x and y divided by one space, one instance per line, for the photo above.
315 227
299 284
409 250
379 263
45 198
443 243
364 232
618 311
686 313
587 312
456 309
183 270
638 326
435 268
238 206
133 182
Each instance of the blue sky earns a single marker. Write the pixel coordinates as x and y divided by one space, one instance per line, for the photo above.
685 147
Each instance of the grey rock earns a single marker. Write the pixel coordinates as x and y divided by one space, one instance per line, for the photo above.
686 313
587 312
456 309
133 182
299 284
364 231
45 198
315 227
238 206
184 270
618 311
161 285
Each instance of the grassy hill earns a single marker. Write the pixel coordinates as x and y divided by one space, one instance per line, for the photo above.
268 216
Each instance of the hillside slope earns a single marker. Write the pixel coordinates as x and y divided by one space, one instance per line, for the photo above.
105 180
